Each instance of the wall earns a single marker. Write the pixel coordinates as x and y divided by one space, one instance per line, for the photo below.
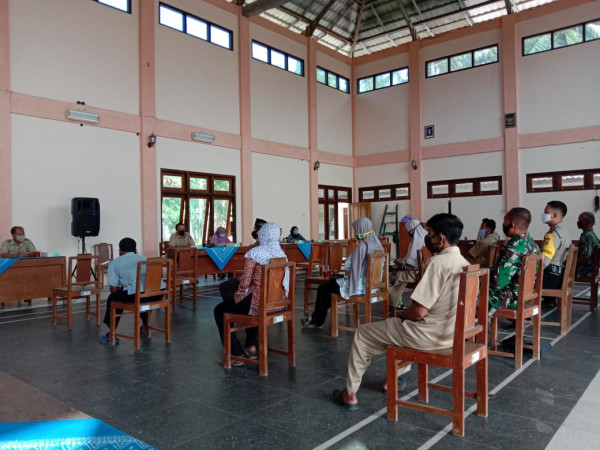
331 175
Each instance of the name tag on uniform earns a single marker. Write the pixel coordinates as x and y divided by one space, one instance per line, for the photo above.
474 357
85 292
277 319
185 282
535 311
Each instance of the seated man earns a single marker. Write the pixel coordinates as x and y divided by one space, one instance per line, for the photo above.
504 274
487 236
18 246
181 238
122 275
428 324
587 241
556 246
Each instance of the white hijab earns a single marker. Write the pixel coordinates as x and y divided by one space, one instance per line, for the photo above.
417 243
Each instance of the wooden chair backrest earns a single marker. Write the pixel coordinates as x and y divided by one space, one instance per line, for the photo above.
569 273
492 254
377 272
81 267
104 251
316 253
152 271
383 239
473 288
272 292
352 243
184 261
162 248
336 255
530 281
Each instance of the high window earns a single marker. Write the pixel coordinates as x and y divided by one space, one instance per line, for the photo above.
123 5
202 201
570 180
466 187
462 61
383 80
277 58
384 193
194 26
333 80
334 207
564 37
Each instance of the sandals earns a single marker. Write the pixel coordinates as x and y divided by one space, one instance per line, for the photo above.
307 323
234 363
251 352
338 399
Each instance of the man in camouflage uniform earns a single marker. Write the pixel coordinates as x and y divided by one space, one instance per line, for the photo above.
504 274
587 241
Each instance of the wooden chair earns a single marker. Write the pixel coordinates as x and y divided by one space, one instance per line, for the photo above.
274 307
83 286
376 291
564 295
469 348
153 289
529 306
104 251
184 273
316 259
592 280
333 254
492 255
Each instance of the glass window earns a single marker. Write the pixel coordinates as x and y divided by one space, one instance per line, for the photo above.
486 186
219 36
343 84
368 195
440 189
592 30
536 44
171 213
260 52
170 18
330 193
572 181
400 76
198 214
568 36
123 5
172 181
332 80
438 67
342 195
222 185
385 193
295 65
460 62
197 28
198 184
321 193
277 59
596 179
541 183
463 188
365 84
401 192
382 81
321 76
485 56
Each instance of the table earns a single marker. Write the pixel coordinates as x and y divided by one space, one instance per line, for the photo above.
32 278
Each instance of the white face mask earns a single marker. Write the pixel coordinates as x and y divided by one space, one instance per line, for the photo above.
546 217
20 238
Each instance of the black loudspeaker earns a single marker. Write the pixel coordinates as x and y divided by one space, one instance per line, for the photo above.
85 214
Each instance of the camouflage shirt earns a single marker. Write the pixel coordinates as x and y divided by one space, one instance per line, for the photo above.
504 274
587 242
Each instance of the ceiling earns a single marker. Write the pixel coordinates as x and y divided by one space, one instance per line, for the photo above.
360 27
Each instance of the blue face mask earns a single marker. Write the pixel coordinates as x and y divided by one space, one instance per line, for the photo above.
358 236
482 233
222 235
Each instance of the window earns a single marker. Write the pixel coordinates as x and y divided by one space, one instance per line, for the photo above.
383 80
334 216
467 187
384 193
333 80
277 58
194 26
462 61
571 180
564 37
202 201
123 5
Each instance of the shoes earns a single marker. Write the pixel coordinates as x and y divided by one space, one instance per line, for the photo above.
251 352
338 399
143 333
105 340
401 385
234 363
307 323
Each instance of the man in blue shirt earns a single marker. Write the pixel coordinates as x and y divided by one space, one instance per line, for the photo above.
122 275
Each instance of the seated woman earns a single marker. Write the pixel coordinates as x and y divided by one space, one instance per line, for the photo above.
406 269
242 295
355 283
219 238
295 236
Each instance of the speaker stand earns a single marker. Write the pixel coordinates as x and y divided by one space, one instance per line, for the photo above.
83 251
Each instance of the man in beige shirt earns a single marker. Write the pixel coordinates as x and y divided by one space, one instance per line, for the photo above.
478 254
428 324
18 246
181 238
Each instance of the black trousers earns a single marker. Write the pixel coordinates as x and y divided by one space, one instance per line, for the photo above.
323 304
228 305
122 296
551 281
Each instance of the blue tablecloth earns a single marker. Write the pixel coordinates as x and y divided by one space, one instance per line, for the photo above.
220 255
305 248
6 263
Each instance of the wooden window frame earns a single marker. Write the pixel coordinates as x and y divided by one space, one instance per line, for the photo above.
335 201
551 33
390 72
473 66
588 181
376 189
477 192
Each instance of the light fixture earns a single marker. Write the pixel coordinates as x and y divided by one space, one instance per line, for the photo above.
413 163
203 137
151 140
82 116
317 165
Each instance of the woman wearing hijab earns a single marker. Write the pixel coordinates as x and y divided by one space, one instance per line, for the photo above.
220 237
356 282
242 295
295 235
406 269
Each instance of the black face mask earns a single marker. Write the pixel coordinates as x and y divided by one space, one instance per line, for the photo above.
506 229
579 225
431 246
181 232
255 235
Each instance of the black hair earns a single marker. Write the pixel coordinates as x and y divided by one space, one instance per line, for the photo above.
292 229
447 224
556 204
183 225
590 216
521 216
14 229
490 223
128 245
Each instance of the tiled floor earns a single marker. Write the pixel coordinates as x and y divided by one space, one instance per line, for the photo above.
176 396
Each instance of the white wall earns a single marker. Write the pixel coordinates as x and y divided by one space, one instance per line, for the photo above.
280 193
72 50
53 162
332 175
469 209
197 82
558 158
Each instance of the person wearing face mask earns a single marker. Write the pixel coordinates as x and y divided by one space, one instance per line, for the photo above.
504 273
587 242
181 238
220 237
556 246
405 269
258 223
17 246
428 324
295 236
352 284
487 236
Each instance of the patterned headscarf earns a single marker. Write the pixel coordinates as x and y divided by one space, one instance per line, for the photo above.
269 247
